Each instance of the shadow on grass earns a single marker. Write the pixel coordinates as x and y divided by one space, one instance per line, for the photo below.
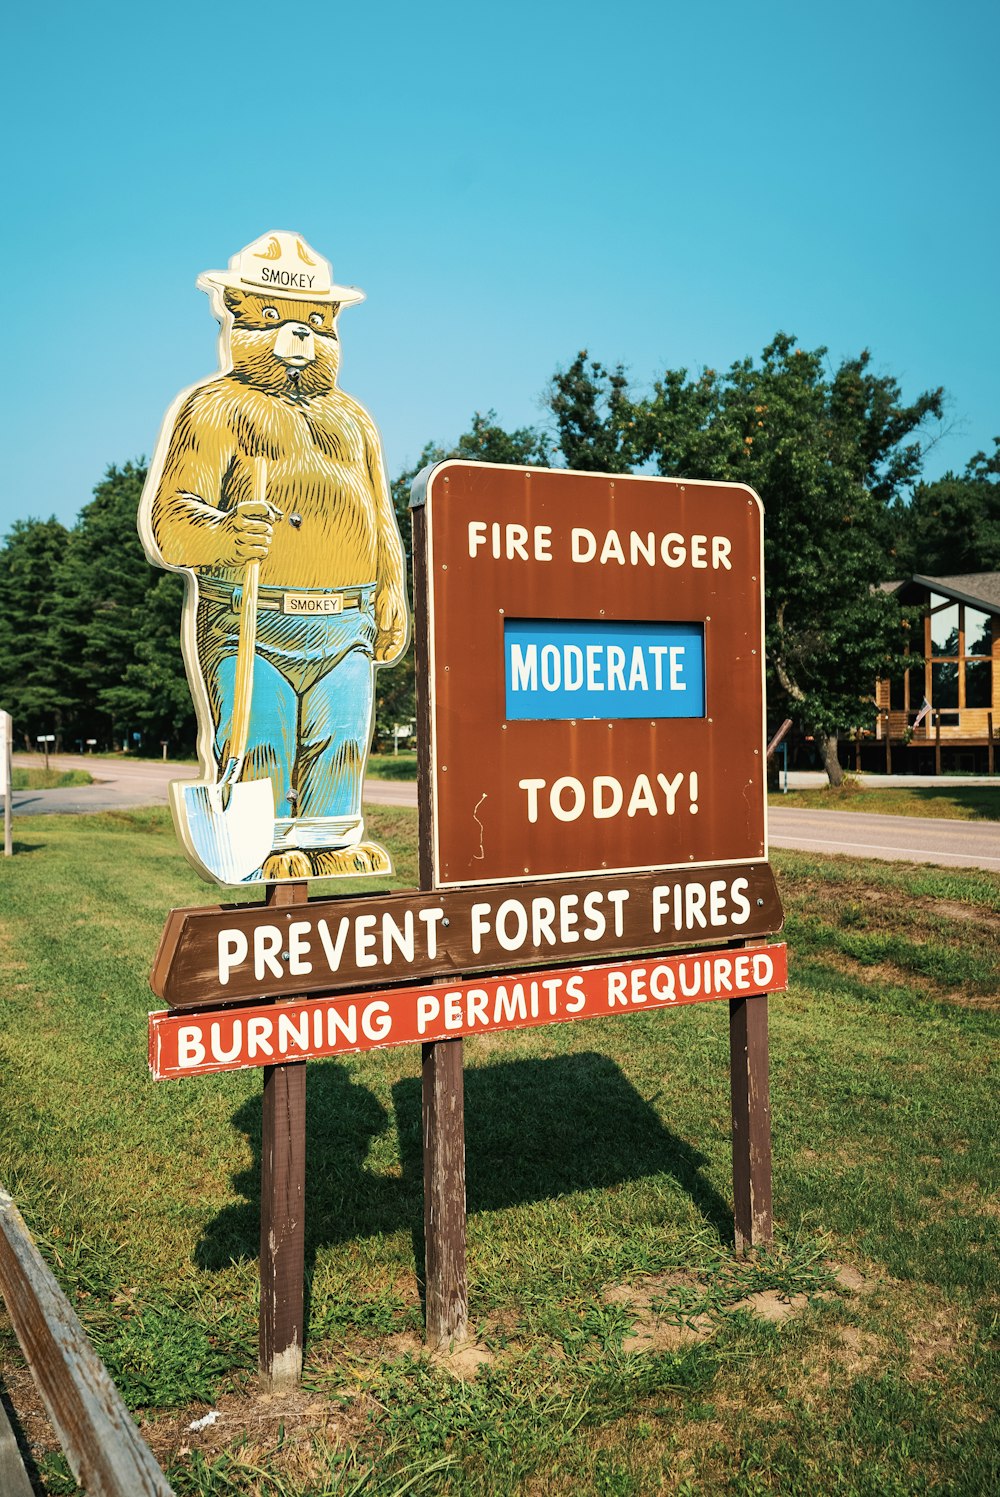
981 801
535 1129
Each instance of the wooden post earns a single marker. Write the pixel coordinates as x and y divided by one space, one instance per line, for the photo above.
105 1451
937 743
857 750
751 1099
13 1476
888 747
8 806
6 781
282 1206
445 1277
990 757
446 1291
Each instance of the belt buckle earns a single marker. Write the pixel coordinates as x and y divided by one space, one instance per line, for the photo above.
309 606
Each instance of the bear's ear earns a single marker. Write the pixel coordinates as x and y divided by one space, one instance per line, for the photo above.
233 299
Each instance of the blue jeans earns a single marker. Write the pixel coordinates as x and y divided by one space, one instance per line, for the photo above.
310 712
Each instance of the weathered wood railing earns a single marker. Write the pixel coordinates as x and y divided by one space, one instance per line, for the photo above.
105 1451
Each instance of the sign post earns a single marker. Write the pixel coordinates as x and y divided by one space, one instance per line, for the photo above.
282 1204
590 698
6 780
446 1285
592 841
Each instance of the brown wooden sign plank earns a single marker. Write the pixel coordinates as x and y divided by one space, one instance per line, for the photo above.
595 658
200 1042
229 954
104 1449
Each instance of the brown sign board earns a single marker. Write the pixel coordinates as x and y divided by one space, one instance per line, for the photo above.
592 673
202 1042
237 953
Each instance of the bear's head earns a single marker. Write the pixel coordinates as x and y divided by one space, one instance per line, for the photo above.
282 345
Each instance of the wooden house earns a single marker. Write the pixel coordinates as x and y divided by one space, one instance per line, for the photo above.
942 712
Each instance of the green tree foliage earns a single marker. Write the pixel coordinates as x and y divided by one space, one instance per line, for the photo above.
952 526
33 688
485 442
828 452
101 588
153 696
594 417
89 631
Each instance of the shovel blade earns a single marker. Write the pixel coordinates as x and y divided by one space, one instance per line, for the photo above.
226 842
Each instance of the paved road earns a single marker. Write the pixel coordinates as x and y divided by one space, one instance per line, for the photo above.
958 844
123 783
118 784
914 839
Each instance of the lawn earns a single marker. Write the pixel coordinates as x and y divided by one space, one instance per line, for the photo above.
953 802
623 1348
401 766
48 779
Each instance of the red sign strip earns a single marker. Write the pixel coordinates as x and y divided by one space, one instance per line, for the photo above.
232 1039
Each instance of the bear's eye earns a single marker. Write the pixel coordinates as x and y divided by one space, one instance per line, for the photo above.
316 318
270 314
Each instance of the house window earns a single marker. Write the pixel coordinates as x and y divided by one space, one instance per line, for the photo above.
959 657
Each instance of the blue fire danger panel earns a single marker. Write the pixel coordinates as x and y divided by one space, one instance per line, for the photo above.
560 669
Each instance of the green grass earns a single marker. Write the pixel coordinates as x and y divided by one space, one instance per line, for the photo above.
391 766
598 1155
48 779
953 802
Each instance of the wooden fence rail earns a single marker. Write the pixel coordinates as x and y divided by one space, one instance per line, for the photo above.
105 1451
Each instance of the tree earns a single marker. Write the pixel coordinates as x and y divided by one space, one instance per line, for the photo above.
120 658
828 454
952 526
153 696
34 690
485 442
593 417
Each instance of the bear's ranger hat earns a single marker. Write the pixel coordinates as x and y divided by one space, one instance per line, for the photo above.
283 264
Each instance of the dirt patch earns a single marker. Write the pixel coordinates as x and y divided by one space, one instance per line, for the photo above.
856 1350
773 1306
652 1334
463 1361
850 1280
657 1325
934 1340
660 1287
662 1322
253 1418
30 1419
988 1001
966 914
886 974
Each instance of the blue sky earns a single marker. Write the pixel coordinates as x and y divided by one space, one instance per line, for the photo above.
666 185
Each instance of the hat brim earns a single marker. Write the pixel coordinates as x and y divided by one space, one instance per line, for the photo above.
344 296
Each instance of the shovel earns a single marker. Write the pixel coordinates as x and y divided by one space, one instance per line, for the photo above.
228 827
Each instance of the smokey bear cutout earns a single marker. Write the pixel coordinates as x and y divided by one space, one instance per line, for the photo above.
268 491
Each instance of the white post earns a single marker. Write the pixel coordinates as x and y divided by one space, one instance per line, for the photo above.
6 782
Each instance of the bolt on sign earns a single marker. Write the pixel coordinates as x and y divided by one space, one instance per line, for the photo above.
595 664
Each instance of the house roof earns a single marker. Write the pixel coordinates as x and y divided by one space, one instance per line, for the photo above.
980 589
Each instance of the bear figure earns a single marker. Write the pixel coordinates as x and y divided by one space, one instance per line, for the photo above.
269 462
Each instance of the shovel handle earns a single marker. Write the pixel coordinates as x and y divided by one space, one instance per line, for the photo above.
246 644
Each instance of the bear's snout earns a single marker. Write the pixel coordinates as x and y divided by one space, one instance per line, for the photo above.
295 344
